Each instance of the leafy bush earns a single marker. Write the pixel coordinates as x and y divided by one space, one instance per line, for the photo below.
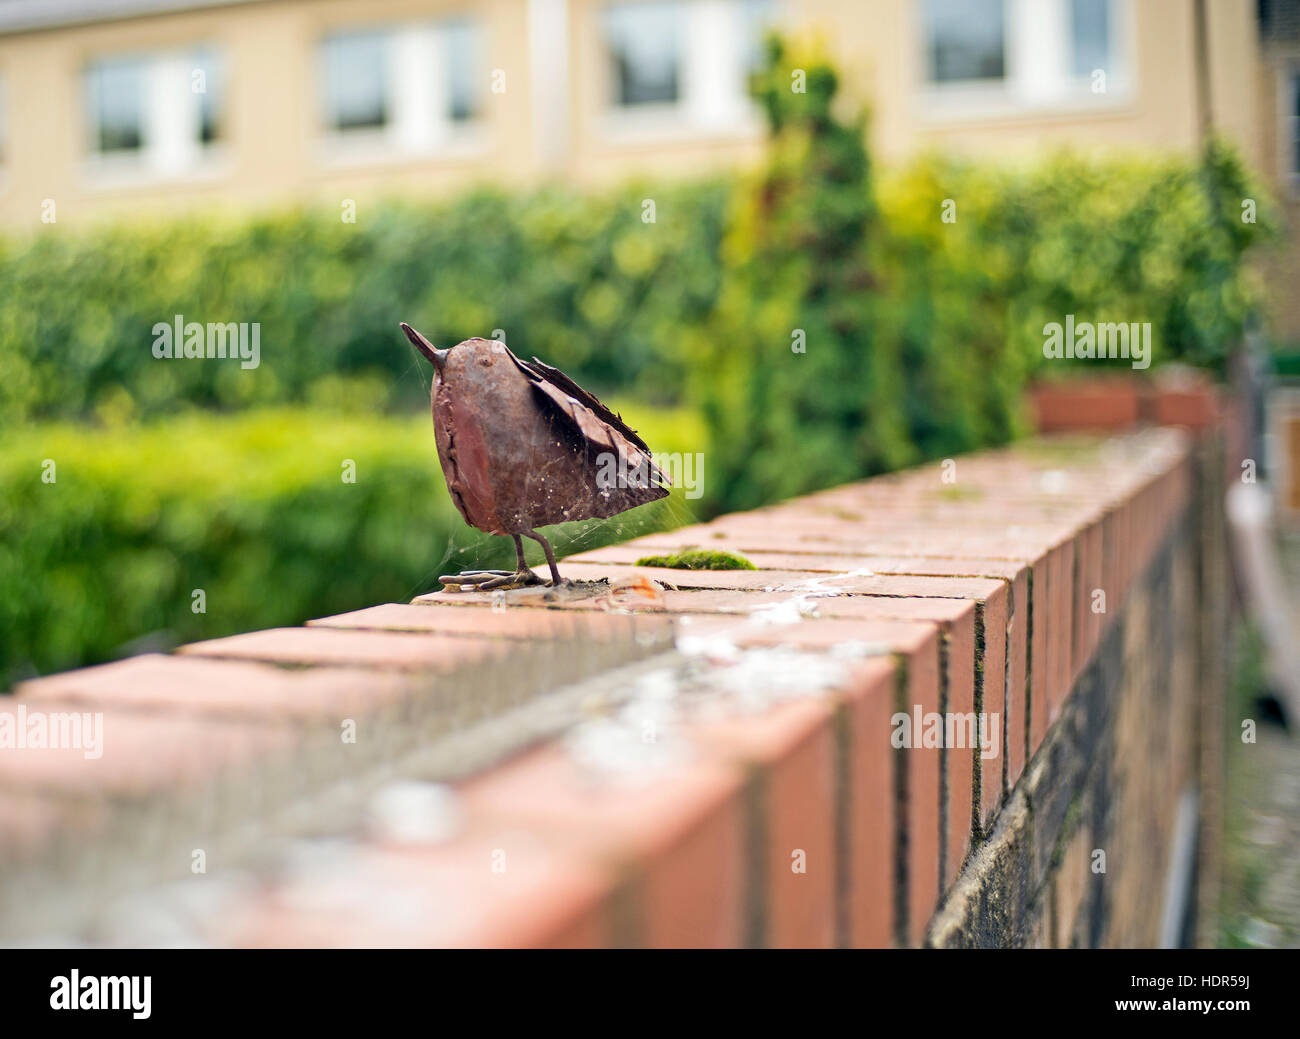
580 281
254 511
919 333
1144 238
921 303
799 387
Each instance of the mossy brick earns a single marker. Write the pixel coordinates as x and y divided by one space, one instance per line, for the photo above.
990 905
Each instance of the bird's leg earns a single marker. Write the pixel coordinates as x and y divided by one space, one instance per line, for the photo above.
550 555
491 580
519 554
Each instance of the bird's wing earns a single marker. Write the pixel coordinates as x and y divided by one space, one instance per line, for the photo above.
601 428
538 369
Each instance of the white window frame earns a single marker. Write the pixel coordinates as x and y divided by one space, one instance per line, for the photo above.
713 98
548 57
420 125
1038 78
170 144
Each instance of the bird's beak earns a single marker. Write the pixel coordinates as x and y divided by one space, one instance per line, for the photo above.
438 357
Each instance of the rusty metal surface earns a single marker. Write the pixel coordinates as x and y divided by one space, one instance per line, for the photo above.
523 446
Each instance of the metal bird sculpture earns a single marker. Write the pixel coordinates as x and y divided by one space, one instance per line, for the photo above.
523 446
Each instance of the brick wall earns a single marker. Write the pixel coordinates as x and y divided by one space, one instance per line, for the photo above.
681 758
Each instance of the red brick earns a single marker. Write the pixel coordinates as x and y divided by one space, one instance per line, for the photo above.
1111 568
960 653
805 536
1193 408
721 579
1039 707
31 822
1060 626
892 625
1096 539
1016 730
1014 641
918 685
957 620
867 707
1088 403
380 649
791 580
1087 624
494 888
1124 549
891 622
628 554
789 756
237 688
141 754
526 622
679 837
994 678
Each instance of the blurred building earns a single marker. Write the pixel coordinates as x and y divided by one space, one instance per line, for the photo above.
112 105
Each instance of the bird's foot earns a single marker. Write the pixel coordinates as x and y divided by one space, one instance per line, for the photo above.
491 580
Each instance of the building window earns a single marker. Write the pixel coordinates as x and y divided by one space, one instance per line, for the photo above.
156 114
965 40
1090 47
683 66
116 91
207 81
356 88
409 89
758 17
462 46
997 57
645 47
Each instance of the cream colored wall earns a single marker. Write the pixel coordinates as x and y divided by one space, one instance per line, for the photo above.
598 156
1159 114
877 47
1234 71
271 145
272 151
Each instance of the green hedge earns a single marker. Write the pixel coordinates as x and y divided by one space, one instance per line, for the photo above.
945 318
920 332
1140 238
798 376
956 309
253 510
581 281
